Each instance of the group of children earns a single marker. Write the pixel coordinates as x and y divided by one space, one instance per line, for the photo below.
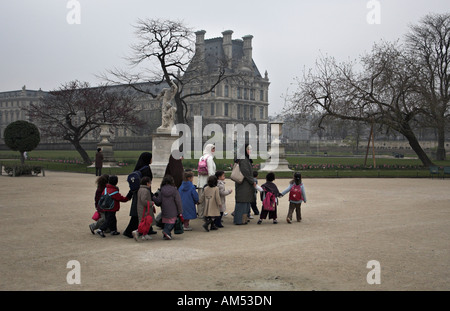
179 205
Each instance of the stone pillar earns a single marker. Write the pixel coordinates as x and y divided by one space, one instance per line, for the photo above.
161 150
106 146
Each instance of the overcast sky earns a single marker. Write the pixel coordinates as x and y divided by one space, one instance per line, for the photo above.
41 49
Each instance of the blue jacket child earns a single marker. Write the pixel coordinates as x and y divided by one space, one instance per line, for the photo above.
189 198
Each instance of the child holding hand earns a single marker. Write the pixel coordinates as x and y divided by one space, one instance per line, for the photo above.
110 215
296 197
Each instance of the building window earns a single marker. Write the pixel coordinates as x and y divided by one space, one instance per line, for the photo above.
213 110
245 93
239 93
239 111
252 94
261 113
261 95
227 91
201 110
252 112
226 110
245 112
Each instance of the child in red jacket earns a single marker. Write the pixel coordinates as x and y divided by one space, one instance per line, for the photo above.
110 215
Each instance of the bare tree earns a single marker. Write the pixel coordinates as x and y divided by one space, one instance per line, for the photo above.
164 53
76 109
381 92
428 45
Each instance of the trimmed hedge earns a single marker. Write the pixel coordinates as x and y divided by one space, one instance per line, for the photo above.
19 170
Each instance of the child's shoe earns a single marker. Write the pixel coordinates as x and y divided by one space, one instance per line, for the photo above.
101 233
135 235
166 236
205 226
259 222
289 220
146 237
275 221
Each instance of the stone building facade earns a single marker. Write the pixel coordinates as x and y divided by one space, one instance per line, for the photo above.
241 98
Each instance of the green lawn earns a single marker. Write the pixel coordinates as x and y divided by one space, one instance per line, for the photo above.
311 167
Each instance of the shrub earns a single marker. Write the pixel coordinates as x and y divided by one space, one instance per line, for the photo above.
20 170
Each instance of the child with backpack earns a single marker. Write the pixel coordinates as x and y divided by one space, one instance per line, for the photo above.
110 214
269 197
171 207
296 197
101 182
144 203
189 197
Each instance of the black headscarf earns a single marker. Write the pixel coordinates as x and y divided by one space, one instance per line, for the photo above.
144 159
175 169
239 154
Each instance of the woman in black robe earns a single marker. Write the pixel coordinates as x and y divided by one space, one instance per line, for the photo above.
144 161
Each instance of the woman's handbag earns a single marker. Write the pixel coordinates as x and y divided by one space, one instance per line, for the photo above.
236 174
146 221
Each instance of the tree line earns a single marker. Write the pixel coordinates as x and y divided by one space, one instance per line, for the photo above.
398 85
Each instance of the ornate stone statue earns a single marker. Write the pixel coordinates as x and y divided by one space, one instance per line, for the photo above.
168 110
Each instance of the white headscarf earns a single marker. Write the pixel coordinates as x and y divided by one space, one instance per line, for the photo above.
208 150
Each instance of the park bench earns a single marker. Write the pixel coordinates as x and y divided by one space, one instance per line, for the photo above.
446 171
434 170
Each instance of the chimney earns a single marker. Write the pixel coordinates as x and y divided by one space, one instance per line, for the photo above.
248 50
200 43
228 46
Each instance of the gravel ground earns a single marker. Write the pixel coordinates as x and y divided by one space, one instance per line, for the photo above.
403 224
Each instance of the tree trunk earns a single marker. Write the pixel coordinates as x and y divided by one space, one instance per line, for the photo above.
414 143
180 110
82 152
22 158
440 152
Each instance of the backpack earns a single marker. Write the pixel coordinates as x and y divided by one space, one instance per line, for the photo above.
146 221
106 201
203 166
269 202
134 179
296 193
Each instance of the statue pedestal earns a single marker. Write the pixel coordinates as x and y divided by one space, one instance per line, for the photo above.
108 154
161 151
106 146
277 165
278 162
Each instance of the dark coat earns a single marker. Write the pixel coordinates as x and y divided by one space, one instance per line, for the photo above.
144 160
170 201
245 192
99 159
